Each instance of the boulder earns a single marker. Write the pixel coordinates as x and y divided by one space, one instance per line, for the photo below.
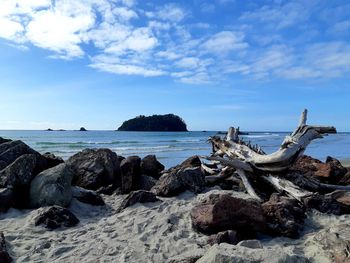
55 216
138 197
335 240
2 140
52 160
130 173
150 166
7 199
337 202
10 151
224 212
178 181
331 171
2 165
225 253
52 187
95 168
229 237
285 216
146 183
4 255
20 172
108 190
87 196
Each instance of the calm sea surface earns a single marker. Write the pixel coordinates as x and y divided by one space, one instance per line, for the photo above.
170 147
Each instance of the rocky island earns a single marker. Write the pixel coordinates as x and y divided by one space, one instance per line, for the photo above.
167 122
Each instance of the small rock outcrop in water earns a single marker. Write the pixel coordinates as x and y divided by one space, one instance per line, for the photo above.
168 122
52 187
55 216
4 255
82 129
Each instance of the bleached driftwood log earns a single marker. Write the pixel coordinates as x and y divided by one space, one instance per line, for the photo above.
242 155
250 159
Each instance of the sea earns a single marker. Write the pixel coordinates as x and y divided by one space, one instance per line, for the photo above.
171 148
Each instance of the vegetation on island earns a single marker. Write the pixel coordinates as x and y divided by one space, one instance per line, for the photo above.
167 122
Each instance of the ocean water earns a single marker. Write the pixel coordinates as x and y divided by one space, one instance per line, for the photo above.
170 148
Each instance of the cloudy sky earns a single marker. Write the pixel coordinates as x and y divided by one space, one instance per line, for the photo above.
216 63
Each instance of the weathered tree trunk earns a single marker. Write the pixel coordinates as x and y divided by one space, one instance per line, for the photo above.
246 158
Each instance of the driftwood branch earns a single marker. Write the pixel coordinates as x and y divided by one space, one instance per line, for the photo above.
291 148
247 185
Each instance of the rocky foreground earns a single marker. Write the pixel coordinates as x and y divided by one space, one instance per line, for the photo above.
101 207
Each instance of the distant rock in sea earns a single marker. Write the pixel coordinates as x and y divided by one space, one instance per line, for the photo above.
82 129
49 129
168 122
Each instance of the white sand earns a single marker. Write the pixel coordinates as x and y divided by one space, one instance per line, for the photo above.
153 232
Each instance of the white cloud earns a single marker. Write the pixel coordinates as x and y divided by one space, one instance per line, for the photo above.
170 12
225 41
128 69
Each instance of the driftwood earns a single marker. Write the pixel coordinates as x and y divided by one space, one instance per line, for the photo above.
250 159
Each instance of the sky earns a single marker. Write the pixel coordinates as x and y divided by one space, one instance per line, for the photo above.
216 63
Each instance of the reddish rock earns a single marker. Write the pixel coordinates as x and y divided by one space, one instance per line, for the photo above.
329 172
284 216
224 212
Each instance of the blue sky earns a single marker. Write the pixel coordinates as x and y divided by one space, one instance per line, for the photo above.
95 63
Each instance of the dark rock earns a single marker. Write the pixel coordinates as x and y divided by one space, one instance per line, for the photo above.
49 129
190 259
192 161
87 196
55 216
224 212
150 166
138 197
337 202
95 168
82 129
10 151
178 181
52 187
284 216
345 180
7 199
329 172
2 165
229 237
52 160
108 190
2 140
335 240
20 172
4 255
130 173
146 183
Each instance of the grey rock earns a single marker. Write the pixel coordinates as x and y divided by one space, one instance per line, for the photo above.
2 165
20 172
178 181
151 166
7 199
52 160
146 183
130 173
229 237
95 168
54 217
10 151
137 197
87 196
52 187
